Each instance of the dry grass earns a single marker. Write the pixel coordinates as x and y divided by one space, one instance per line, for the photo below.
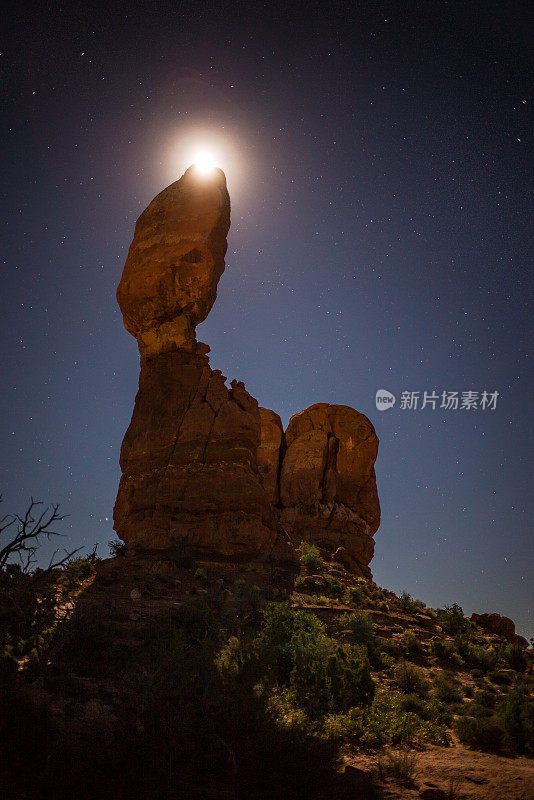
398 764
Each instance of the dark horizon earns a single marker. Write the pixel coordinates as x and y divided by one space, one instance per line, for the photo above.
378 162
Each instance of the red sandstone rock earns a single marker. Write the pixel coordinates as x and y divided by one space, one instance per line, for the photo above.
176 258
327 483
201 463
189 456
501 626
269 452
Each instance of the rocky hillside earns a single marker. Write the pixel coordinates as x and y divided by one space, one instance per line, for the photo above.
183 678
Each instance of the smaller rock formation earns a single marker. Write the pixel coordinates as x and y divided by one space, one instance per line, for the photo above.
500 626
320 477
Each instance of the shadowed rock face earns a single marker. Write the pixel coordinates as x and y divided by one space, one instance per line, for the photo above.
201 463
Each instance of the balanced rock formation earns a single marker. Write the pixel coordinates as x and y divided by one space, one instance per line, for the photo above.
202 465
189 456
169 282
325 486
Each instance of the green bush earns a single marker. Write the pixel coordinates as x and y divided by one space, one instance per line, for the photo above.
447 689
408 604
360 626
515 658
412 680
510 728
441 713
319 584
292 650
480 733
412 644
475 656
452 620
383 723
390 646
310 555
485 698
516 715
441 650
413 703
30 601
327 679
500 677
357 596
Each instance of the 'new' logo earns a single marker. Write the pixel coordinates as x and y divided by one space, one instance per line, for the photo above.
384 400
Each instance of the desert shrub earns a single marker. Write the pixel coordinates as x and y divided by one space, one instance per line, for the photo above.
117 547
390 646
377 659
440 649
230 659
435 711
515 658
510 728
309 584
408 604
441 713
480 733
77 570
447 689
452 620
413 703
384 607
412 680
412 644
485 699
516 715
444 652
326 678
475 709
475 656
29 603
360 626
293 651
248 594
383 723
335 587
310 555
500 677
201 575
357 596
399 765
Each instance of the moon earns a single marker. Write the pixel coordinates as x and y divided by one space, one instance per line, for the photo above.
204 162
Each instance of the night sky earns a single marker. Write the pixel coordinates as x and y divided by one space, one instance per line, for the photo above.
378 158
